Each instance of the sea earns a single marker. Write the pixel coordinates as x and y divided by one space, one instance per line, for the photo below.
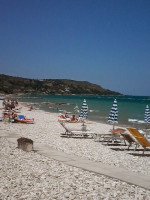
129 107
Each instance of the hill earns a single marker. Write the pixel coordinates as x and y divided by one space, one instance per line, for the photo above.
15 85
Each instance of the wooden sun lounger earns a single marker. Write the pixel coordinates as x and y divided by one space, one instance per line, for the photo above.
140 138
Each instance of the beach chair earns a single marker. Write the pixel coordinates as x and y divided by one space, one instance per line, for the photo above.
76 133
67 131
114 135
140 138
127 138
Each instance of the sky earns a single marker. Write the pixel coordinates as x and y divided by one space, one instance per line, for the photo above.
106 42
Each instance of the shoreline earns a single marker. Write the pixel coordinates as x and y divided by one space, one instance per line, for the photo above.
129 124
132 107
89 119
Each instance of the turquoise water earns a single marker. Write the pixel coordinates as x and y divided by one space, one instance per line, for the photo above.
99 106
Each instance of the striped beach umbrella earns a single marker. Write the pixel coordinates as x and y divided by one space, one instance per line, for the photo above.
147 115
113 116
84 110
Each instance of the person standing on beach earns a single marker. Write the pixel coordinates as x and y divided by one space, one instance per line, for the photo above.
57 109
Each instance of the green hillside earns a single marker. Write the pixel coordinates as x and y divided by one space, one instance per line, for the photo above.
15 85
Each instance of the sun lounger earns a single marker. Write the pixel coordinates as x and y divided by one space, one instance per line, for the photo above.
113 136
140 138
68 120
62 120
129 140
76 133
83 133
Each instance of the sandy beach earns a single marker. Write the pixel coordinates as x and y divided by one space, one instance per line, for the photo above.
33 176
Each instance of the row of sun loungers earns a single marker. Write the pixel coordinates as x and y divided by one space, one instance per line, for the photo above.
130 137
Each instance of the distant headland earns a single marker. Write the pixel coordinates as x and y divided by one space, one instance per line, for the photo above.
16 85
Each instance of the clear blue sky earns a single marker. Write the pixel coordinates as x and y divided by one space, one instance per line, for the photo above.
106 42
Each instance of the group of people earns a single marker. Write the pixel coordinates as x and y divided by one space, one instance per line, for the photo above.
10 104
9 113
67 118
11 110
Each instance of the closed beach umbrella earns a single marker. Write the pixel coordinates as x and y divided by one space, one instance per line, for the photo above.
113 116
76 109
147 115
84 110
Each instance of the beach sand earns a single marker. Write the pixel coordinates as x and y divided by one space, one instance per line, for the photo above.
33 176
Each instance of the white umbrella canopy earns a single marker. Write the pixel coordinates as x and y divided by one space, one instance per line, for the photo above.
113 116
76 109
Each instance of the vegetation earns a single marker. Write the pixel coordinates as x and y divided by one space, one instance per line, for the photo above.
15 85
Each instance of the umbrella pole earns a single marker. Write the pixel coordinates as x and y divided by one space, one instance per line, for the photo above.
83 123
113 126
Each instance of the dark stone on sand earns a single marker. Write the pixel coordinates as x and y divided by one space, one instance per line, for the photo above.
25 144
